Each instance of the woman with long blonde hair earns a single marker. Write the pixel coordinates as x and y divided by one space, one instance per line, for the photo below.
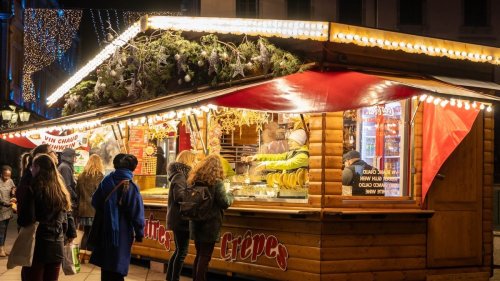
48 202
178 172
87 183
206 233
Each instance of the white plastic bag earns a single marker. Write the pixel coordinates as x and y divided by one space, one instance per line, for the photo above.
71 264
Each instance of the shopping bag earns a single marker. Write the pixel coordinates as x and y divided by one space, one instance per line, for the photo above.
71 264
21 253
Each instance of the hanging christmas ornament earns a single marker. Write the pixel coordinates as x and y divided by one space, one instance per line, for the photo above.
238 67
187 78
213 61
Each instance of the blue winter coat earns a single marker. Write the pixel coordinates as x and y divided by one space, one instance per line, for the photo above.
121 223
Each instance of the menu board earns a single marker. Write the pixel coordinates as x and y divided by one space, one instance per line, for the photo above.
144 151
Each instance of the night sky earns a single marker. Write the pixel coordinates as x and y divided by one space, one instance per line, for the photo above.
89 46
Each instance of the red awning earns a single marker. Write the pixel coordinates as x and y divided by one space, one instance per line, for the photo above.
313 91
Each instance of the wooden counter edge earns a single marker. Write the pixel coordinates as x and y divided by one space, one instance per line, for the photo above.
342 212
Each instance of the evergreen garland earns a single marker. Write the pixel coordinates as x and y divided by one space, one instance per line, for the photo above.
154 65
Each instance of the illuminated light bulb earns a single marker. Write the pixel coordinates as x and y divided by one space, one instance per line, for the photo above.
463 53
429 99
457 53
416 47
452 102
349 36
437 50
443 103
380 41
143 120
481 106
17 135
387 42
474 105
423 97
467 106
394 44
414 97
372 40
364 39
489 109
150 120
402 44
437 101
459 104
424 48
11 136
357 37
470 55
489 57
450 52
409 46
477 56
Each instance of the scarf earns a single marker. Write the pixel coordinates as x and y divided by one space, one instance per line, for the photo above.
111 208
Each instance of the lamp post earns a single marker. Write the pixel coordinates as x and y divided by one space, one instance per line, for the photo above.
10 117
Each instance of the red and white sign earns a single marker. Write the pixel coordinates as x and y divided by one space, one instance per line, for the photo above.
59 143
156 231
252 247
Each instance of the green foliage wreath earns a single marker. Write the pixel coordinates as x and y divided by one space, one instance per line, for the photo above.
160 63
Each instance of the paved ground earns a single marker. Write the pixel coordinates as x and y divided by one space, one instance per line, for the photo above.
142 273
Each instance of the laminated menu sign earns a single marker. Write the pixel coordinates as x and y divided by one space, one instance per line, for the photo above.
137 142
145 152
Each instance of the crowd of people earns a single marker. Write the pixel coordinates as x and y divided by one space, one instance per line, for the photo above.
49 193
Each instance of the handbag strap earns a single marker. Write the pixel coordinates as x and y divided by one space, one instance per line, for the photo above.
123 182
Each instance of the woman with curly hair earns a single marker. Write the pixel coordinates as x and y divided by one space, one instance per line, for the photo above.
207 232
47 201
87 183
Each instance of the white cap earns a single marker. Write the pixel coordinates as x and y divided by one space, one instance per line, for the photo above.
299 136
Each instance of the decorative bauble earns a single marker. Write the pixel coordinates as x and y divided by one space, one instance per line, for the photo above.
204 53
177 56
138 83
187 78
112 73
109 37
249 65
224 55
200 63
102 86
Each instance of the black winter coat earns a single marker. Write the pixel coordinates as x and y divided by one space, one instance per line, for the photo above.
177 176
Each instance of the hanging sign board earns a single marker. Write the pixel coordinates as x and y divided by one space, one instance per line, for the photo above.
59 143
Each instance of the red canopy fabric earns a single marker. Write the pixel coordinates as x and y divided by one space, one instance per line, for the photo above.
21 141
443 130
314 91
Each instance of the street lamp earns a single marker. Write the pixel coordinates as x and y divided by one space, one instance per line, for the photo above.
24 116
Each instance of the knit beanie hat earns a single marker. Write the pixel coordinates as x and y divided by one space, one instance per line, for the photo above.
299 136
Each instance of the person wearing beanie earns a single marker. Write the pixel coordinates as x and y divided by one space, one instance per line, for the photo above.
118 200
67 170
296 157
364 179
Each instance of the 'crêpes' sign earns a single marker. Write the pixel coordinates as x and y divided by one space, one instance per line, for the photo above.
251 247
59 143
156 231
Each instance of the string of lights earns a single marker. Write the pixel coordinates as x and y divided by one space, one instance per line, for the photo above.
117 21
95 27
103 30
48 33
